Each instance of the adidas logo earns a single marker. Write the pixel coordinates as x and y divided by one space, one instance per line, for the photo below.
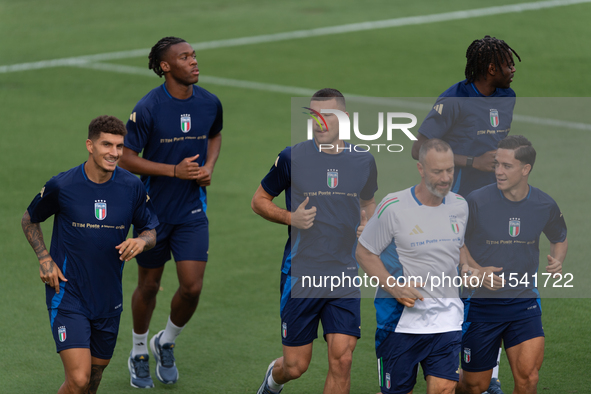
438 108
416 230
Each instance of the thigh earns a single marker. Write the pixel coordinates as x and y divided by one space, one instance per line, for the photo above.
160 253
524 345
398 356
480 345
190 241
77 362
442 362
340 345
341 316
70 330
104 337
299 316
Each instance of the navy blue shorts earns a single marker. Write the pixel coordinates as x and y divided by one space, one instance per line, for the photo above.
74 331
300 316
187 241
399 356
481 340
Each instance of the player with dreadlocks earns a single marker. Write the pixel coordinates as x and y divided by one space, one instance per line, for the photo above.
178 127
473 116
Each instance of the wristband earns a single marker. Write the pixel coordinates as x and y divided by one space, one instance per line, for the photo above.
469 161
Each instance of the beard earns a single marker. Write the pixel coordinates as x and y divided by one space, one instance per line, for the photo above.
433 189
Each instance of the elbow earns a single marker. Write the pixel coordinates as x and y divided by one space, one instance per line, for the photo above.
254 206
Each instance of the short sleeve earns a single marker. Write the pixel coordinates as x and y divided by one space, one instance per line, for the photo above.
46 203
144 215
440 119
555 228
379 230
371 186
279 177
218 122
138 126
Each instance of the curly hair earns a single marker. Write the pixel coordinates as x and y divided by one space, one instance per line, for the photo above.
105 124
158 50
485 51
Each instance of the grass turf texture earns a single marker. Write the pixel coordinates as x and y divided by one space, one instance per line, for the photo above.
235 333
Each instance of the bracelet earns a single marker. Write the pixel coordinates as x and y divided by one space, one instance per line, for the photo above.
469 161
174 176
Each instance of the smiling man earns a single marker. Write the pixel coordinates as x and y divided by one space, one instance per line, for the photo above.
503 234
178 127
94 205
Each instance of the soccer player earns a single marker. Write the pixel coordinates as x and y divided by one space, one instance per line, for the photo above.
177 126
503 233
473 116
418 233
94 205
322 220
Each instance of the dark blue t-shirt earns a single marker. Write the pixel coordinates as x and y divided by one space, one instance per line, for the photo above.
334 183
506 234
169 130
90 220
472 124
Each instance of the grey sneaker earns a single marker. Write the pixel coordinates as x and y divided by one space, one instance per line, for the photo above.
264 389
166 371
495 387
139 369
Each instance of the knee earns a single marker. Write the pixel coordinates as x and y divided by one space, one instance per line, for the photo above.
149 288
191 291
294 371
342 363
528 381
78 381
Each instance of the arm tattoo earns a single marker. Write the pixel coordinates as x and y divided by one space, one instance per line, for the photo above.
149 236
35 237
96 374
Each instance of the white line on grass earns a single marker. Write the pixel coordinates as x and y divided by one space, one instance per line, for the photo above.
349 28
296 91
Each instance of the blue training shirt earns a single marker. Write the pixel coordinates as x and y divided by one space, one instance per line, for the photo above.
169 130
506 234
334 183
472 124
90 220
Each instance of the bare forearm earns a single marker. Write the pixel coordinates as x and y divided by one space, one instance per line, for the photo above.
558 250
262 204
34 236
138 165
149 237
369 206
213 150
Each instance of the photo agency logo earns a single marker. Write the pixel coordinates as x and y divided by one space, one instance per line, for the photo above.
393 123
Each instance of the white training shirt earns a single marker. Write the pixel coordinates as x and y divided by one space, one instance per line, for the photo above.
413 239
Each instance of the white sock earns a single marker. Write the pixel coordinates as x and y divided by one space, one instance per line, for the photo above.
495 374
170 332
140 343
274 386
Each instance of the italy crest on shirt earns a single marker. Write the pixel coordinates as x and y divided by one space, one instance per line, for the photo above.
100 209
185 123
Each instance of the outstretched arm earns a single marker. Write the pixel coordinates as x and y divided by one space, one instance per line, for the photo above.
49 272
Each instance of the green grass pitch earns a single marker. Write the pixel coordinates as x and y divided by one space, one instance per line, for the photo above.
235 333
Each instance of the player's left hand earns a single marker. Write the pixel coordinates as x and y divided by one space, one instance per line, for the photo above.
130 248
204 176
554 266
362 223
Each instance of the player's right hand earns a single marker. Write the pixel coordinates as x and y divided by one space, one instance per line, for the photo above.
496 282
407 295
485 162
303 218
188 168
50 274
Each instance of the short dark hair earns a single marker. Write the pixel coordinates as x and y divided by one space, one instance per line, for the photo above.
433 143
524 150
105 124
327 94
158 51
485 51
